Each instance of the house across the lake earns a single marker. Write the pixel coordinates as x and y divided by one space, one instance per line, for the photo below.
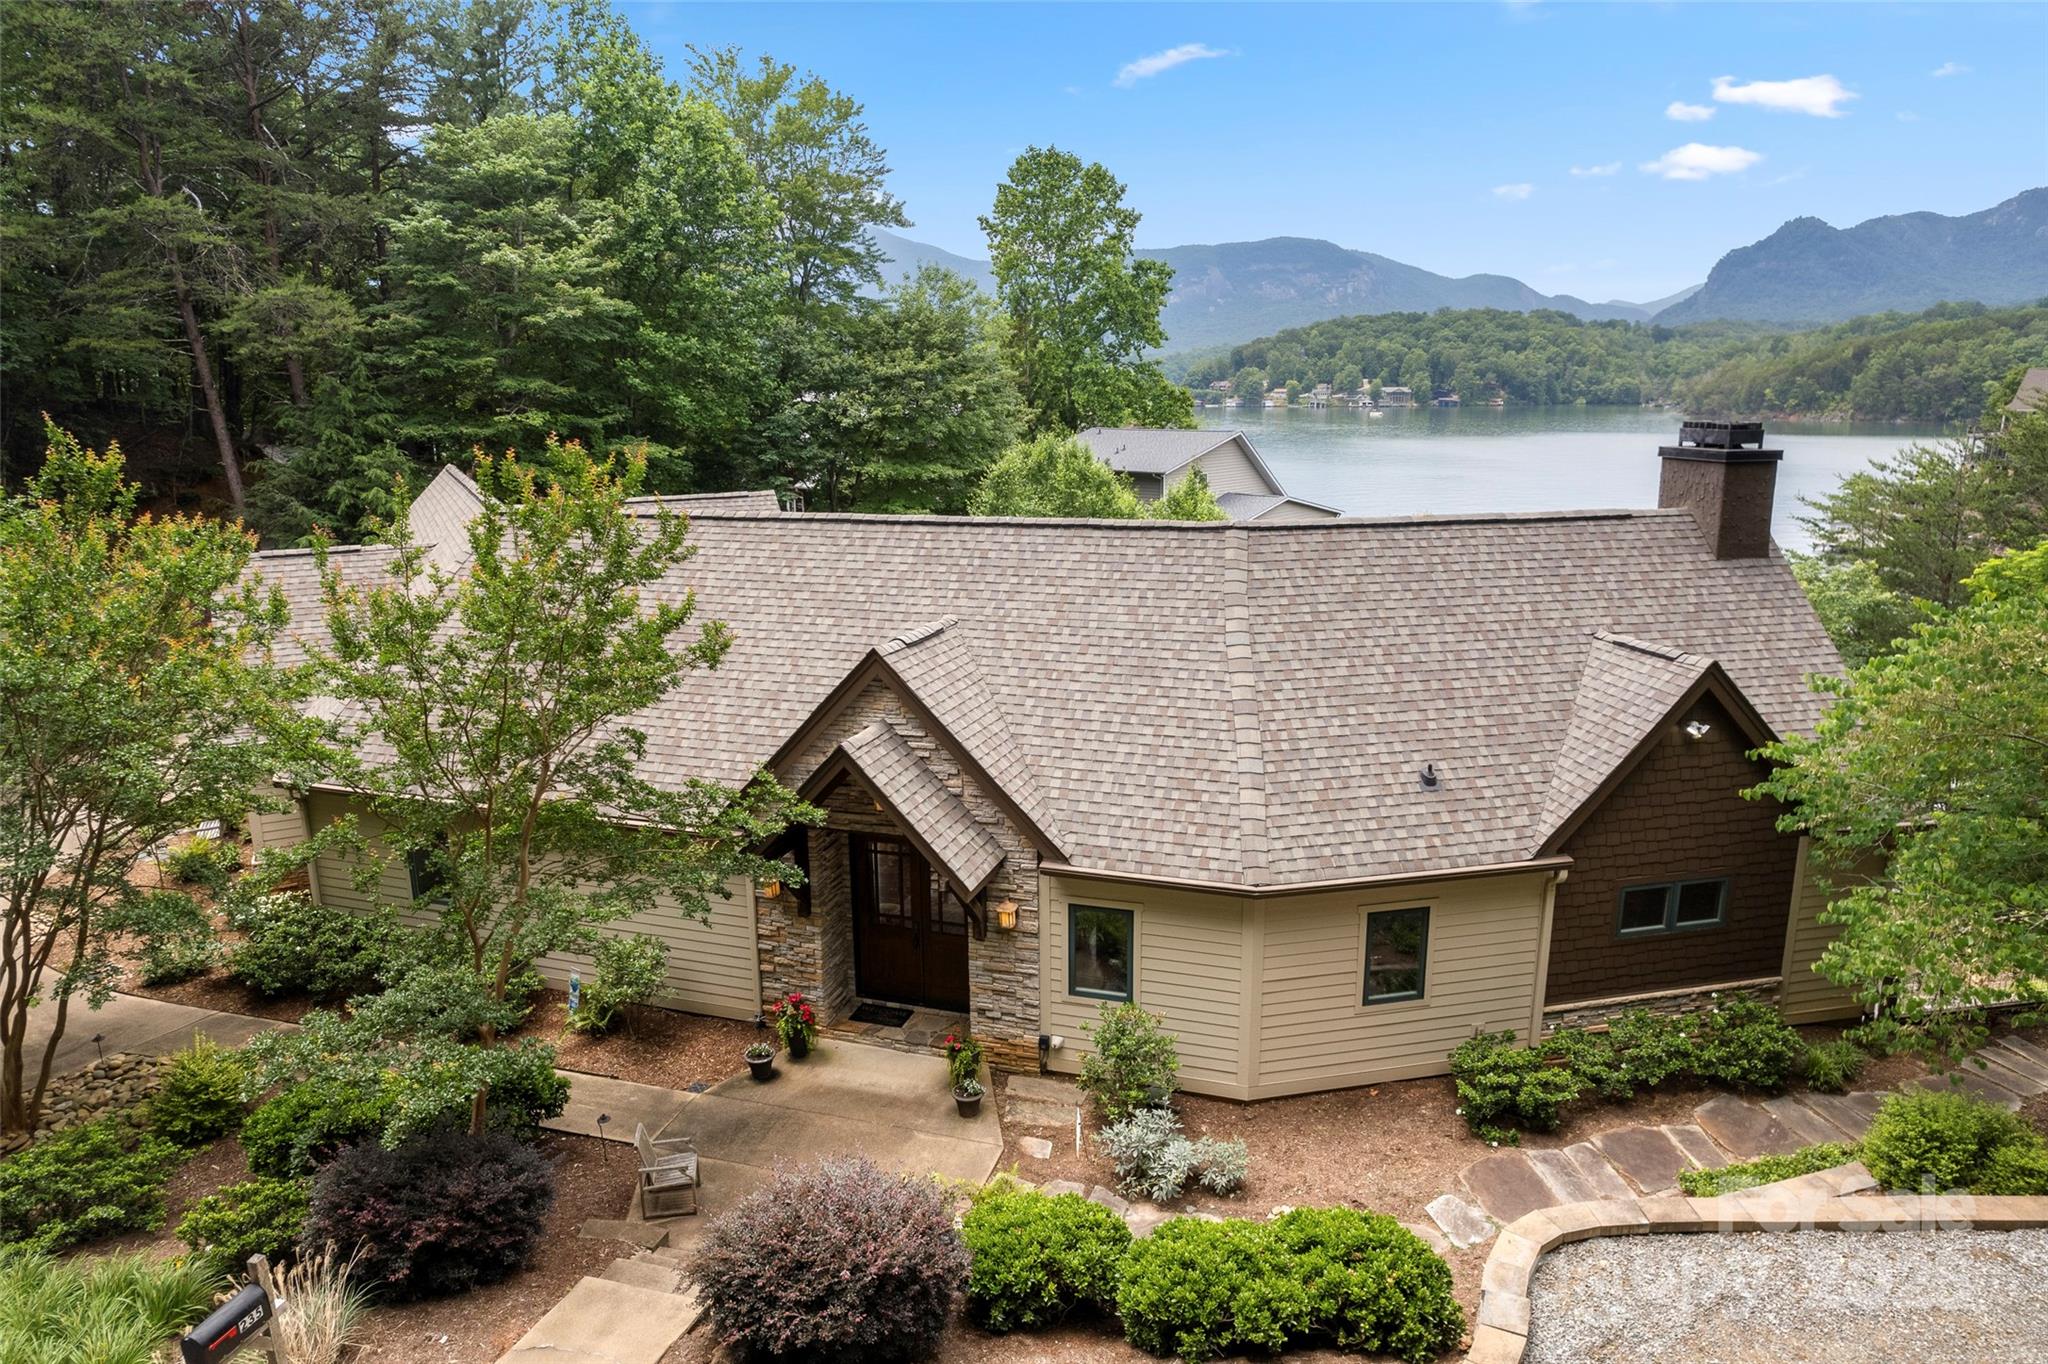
1158 458
1327 796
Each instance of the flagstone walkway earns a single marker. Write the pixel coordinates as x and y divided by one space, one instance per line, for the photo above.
1628 1161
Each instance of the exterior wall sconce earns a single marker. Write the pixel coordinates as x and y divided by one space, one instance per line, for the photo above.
1697 730
772 888
1006 915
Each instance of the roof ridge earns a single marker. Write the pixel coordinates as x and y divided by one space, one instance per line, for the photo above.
1264 527
1670 653
917 634
1242 670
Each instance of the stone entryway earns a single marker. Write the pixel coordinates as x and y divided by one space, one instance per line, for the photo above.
925 1030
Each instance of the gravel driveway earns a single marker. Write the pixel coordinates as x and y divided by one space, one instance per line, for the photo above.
1818 1297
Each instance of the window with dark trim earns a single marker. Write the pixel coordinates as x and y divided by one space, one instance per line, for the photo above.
1396 954
426 873
1671 907
1099 952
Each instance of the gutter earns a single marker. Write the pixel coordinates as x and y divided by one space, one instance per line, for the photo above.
1555 863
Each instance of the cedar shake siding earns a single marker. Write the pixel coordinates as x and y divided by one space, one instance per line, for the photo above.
1679 815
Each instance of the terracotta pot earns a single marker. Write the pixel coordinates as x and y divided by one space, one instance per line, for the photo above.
764 1070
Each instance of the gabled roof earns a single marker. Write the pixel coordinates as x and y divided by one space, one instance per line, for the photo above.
702 504
1252 506
935 819
2033 391
1158 450
1628 692
1245 703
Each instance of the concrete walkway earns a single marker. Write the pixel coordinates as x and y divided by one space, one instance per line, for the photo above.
1511 1184
134 1023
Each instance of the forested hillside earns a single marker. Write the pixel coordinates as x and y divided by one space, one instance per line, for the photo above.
1932 366
291 256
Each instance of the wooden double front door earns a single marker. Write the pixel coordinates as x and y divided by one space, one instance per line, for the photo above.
909 941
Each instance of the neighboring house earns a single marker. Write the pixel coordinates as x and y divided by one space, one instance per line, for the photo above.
2033 392
1158 458
1328 797
1397 396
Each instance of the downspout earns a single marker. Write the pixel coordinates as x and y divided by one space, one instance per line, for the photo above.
1550 886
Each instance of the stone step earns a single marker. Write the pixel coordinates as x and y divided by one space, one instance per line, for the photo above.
643 1274
2011 1052
1697 1146
1598 1171
1970 1081
1842 1111
2009 1073
1464 1224
1507 1184
1808 1124
1646 1155
1747 1129
1052 1089
646 1235
1037 1114
604 1320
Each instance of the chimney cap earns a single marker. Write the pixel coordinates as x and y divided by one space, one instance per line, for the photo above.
1718 435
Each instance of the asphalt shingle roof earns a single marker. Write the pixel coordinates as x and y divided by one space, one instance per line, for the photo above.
965 850
1233 702
1150 449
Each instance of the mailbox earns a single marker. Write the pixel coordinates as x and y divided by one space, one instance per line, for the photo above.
234 1324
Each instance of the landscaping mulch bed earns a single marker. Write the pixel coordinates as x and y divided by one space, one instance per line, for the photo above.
592 1179
655 1047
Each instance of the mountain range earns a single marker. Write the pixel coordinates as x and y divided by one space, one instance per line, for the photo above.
1806 271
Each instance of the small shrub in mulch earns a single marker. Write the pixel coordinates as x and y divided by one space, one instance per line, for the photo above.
83 1183
255 1217
436 1216
200 1095
1155 1159
1037 1258
840 1260
1934 1141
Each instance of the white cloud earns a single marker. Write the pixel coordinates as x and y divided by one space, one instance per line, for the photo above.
1682 112
1697 161
1133 72
1820 96
1603 168
1906 116
1947 69
1516 191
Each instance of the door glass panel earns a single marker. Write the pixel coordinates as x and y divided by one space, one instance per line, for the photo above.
948 914
891 904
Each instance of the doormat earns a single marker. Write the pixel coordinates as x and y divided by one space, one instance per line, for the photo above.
887 1015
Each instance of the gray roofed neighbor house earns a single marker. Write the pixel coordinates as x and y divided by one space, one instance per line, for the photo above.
934 817
2033 391
1113 674
1151 449
699 504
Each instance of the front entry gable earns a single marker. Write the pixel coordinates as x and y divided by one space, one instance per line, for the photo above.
931 816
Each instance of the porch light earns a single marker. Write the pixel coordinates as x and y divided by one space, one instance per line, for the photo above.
1697 730
1006 915
772 888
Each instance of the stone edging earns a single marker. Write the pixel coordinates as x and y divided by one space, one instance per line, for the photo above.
1841 1199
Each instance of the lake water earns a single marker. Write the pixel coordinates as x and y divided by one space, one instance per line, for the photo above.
1514 459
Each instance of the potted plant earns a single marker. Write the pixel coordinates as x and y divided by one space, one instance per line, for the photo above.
761 1061
963 1072
796 1024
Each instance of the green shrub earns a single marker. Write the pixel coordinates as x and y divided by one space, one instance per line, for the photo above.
297 947
200 1097
118 1310
433 1217
175 935
1154 1159
310 1124
1503 1086
256 1217
209 863
1935 1140
628 971
1745 1044
1749 1174
83 1183
1133 1063
1334 1276
1593 1060
1831 1067
1034 1258
1652 1048
1373 1286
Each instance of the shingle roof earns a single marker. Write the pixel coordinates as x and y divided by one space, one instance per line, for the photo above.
942 825
714 504
2033 391
1237 702
1252 506
1151 449
296 573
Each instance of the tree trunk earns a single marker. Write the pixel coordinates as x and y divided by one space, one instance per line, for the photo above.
230 465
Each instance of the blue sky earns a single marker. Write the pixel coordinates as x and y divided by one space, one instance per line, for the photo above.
1608 151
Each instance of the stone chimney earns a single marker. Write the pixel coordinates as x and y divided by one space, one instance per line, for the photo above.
1720 472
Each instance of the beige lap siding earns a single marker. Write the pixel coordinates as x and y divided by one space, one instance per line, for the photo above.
1480 974
276 828
712 965
1230 470
1806 996
1264 996
1190 957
